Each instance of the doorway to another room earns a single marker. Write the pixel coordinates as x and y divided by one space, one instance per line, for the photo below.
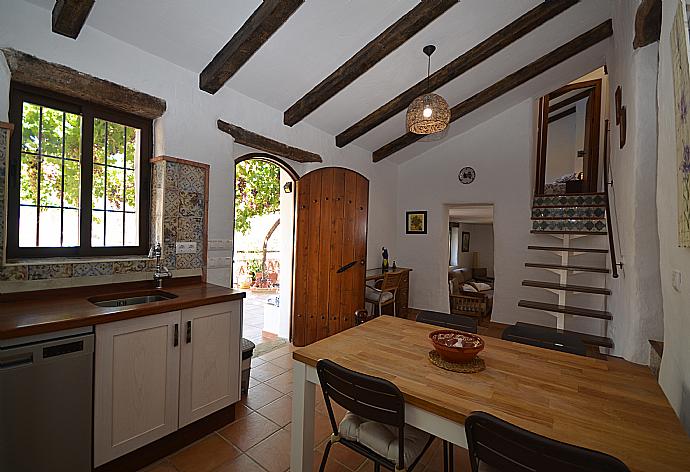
263 247
471 260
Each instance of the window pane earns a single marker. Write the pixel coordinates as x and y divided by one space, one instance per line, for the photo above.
116 145
49 227
72 136
113 233
131 229
27 226
115 188
31 117
98 187
72 184
133 137
51 132
97 227
29 179
51 181
99 141
130 192
70 228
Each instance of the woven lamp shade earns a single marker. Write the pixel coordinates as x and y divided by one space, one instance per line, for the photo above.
438 119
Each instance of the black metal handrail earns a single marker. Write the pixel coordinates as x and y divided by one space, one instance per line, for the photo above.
612 249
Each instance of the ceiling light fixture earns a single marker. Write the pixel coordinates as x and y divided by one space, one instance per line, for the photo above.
428 113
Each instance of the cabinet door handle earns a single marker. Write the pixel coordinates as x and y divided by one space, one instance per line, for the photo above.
189 332
176 335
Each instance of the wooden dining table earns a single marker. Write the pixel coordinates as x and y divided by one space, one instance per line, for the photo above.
611 406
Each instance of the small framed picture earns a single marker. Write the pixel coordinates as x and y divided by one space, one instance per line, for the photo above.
415 222
465 241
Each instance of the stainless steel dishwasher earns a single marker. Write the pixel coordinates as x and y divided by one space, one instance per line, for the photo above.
46 390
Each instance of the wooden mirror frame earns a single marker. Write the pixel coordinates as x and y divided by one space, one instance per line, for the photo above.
593 117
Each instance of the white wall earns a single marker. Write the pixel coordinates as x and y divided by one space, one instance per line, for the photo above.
636 301
482 242
561 147
675 366
188 128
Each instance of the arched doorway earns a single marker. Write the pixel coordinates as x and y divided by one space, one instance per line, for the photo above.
263 243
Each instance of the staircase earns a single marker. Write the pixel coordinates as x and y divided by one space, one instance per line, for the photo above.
568 218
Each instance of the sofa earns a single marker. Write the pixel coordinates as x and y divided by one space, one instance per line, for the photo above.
471 291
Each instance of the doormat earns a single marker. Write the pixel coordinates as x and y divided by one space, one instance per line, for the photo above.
268 346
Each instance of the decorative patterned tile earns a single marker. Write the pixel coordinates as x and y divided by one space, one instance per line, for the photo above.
13 273
190 229
170 230
569 200
188 261
91 269
169 256
171 203
126 267
191 179
191 204
50 271
569 212
172 172
595 226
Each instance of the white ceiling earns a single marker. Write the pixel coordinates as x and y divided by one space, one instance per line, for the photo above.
322 34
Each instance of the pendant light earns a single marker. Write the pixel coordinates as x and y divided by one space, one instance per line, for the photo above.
428 113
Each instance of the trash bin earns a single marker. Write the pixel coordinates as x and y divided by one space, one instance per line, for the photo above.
247 353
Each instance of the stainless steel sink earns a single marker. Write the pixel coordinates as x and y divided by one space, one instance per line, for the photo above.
135 298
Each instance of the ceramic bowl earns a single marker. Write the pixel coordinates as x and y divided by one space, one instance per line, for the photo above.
456 346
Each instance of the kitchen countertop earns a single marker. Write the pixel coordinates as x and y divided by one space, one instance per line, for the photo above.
45 311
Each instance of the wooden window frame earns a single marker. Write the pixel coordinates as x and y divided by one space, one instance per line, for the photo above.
20 93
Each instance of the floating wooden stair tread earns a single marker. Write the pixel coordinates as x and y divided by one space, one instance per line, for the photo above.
567 287
567 267
537 231
567 309
568 249
590 339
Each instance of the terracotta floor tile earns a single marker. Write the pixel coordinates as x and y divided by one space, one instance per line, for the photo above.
273 453
283 361
242 464
279 411
257 361
276 353
205 455
282 382
161 466
249 431
322 428
253 382
261 395
241 410
344 456
266 371
332 465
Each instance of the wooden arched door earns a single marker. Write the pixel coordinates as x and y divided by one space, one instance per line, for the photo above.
330 252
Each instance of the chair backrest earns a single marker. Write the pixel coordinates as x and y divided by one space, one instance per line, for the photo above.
370 397
535 337
509 448
448 320
391 281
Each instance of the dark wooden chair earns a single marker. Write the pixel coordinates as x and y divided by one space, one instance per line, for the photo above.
386 293
375 420
448 320
542 336
496 445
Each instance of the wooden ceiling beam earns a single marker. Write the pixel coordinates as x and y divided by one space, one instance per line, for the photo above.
505 85
574 99
262 143
475 56
69 16
562 114
647 23
377 49
260 26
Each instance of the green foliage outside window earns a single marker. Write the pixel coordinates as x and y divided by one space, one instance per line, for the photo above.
257 192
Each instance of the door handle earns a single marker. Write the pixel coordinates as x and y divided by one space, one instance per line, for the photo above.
176 335
16 361
347 266
189 332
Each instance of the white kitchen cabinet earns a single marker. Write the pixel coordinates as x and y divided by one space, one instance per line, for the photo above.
210 360
155 374
136 388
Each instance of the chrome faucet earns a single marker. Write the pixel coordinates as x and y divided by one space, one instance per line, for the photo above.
161 272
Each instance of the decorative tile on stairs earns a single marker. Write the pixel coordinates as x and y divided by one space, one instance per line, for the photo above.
594 225
569 212
569 200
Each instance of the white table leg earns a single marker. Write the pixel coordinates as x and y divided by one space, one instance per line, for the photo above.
302 450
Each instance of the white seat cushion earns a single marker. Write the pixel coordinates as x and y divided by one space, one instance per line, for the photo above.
372 295
383 439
